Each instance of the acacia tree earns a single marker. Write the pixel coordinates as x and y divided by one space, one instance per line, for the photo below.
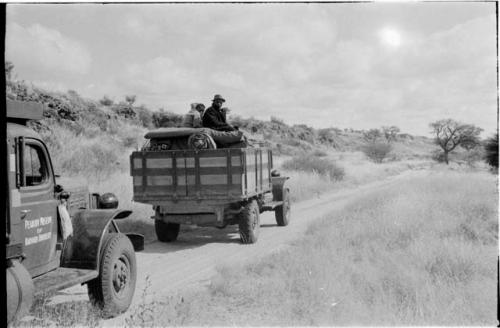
130 99
390 132
449 134
372 135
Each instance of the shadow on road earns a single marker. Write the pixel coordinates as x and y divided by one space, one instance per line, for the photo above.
195 237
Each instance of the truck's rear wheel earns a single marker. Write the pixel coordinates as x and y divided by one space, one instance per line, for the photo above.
166 231
249 224
282 213
113 289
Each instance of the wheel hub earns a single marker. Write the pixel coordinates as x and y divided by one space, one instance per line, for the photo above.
120 276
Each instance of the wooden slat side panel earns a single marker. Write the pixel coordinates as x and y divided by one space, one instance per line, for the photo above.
200 174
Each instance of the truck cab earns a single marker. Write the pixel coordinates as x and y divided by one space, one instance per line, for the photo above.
40 259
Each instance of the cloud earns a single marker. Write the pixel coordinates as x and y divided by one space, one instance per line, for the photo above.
41 48
139 27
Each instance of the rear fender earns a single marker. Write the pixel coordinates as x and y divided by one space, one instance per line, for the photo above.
81 250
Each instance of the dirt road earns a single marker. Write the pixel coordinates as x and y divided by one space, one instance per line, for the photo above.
192 260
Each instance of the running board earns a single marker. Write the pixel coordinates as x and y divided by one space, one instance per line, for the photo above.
271 205
62 278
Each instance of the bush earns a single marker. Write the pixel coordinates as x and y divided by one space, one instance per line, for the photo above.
105 101
307 162
92 159
438 156
471 157
376 151
319 153
491 148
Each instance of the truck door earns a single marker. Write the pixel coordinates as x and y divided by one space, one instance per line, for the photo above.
37 206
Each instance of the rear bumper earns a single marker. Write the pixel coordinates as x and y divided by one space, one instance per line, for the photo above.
200 215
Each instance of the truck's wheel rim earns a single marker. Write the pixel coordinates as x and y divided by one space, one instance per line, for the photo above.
121 275
255 220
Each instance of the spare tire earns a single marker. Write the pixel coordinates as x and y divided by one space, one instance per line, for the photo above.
201 140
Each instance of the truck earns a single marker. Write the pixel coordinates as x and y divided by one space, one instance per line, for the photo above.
215 187
42 254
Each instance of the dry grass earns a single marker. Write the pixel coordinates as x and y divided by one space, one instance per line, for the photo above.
420 253
357 171
311 162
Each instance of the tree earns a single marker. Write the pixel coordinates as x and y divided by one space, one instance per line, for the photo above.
105 101
130 99
449 134
390 132
491 148
372 135
377 150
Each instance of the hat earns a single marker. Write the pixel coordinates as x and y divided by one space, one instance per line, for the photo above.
218 97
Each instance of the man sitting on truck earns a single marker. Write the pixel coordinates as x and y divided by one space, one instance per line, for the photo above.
193 118
215 118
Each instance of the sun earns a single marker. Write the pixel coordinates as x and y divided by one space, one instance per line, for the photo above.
390 37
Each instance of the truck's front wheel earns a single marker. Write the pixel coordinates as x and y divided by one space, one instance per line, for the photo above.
249 224
166 231
113 289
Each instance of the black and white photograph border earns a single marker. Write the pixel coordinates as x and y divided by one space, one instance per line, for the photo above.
148 144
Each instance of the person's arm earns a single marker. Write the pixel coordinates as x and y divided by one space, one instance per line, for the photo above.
210 120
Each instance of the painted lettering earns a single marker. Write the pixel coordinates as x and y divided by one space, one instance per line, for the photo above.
30 224
45 220
30 240
44 236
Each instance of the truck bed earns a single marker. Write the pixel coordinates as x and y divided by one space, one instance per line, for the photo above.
211 174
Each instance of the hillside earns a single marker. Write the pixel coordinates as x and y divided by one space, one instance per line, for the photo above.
75 127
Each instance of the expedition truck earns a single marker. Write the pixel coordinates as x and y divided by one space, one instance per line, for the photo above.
39 259
206 187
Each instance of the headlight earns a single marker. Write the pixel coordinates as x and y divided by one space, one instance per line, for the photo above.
108 200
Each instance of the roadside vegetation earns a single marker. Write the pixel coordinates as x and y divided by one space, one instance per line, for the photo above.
421 253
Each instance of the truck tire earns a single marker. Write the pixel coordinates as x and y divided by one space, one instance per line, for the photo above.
249 223
282 213
166 231
113 289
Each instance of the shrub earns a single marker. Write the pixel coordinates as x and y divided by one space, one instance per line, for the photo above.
438 156
307 162
491 148
376 151
145 116
92 159
319 153
277 120
105 101
471 157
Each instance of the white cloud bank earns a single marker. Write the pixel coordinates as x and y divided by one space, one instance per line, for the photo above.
44 49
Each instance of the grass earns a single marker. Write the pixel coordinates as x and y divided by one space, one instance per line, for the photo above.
71 314
314 163
422 252
307 184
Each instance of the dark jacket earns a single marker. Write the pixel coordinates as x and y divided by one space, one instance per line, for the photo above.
216 120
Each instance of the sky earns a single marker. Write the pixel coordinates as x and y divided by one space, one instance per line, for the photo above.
351 65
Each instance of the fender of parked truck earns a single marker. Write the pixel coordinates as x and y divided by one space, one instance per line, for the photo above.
81 250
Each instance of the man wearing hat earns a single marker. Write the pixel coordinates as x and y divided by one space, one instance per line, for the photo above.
215 117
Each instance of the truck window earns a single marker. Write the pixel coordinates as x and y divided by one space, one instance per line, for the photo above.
35 166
